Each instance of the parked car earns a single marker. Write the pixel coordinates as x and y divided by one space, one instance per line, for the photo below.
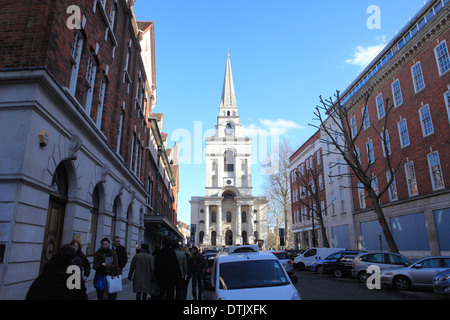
209 257
419 274
247 274
441 282
318 264
285 260
304 260
384 260
342 266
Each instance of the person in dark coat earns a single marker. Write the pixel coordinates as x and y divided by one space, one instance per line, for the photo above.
198 263
167 270
51 284
80 259
121 252
142 273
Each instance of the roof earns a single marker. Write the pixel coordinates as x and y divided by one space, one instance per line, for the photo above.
247 256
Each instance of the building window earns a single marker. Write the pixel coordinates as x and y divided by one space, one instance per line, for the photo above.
392 187
374 184
91 70
119 136
333 202
403 132
425 120
320 182
330 172
361 196
411 178
244 217
434 164
417 77
229 161
101 101
365 115
370 152
397 93
342 199
112 16
386 143
447 103
228 216
75 58
442 58
353 125
213 217
380 106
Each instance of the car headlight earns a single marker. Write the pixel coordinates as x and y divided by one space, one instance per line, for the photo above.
443 278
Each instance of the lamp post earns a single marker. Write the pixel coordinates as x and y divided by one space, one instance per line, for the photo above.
312 219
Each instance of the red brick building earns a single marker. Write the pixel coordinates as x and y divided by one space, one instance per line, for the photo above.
413 72
82 156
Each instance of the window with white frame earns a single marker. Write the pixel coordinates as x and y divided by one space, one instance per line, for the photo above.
442 58
339 165
417 76
447 103
101 101
374 184
330 172
397 93
365 115
434 164
320 182
342 193
370 152
380 106
319 160
411 180
112 16
386 143
361 196
392 187
322 208
333 202
358 155
75 58
119 136
353 126
91 69
403 132
425 120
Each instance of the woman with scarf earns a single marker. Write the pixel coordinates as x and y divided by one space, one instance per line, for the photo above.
105 264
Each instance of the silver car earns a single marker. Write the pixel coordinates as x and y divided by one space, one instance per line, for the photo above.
284 259
384 260
441 282
419 274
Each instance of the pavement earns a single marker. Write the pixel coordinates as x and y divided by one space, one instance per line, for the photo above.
128 294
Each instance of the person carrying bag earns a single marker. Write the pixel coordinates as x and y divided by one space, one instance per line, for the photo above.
106 280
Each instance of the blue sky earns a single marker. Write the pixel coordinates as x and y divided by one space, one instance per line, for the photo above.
284 55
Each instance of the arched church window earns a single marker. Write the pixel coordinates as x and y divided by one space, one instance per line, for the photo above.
213 217
228 161
228 216
244 217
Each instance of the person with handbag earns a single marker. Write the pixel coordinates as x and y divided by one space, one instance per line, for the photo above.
105 264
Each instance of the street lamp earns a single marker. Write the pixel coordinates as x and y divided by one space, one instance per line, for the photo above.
312 219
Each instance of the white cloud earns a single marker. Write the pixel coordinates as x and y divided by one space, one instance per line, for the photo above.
279 126
364 55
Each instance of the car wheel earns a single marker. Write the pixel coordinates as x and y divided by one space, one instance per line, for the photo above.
319 269
300 266
362 276
337 273
402 283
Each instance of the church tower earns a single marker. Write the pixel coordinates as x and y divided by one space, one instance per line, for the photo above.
228 214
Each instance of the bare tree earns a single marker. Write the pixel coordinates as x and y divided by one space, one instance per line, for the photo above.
344 138
309 181
278 193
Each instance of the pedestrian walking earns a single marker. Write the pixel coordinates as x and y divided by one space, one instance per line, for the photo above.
186 252
80 259
105 264
167 270
182 261
51 284
142 269
198 263
121 251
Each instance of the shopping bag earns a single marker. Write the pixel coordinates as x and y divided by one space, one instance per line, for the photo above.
100 281
114 284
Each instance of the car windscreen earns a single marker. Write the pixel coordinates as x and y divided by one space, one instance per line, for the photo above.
251 274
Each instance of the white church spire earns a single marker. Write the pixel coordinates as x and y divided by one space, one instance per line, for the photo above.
228 95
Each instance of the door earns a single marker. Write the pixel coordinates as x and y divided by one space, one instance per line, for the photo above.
53 230
429 268
229 238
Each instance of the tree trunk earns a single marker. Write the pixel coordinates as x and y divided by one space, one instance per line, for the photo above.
382 220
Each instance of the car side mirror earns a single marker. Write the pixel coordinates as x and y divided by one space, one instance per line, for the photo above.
418 266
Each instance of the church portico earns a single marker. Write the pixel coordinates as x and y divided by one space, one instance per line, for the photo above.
228 214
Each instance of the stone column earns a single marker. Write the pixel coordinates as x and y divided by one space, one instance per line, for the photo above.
219 231
206 241
239 225
251 230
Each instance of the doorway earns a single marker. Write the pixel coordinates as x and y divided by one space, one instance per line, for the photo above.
229 238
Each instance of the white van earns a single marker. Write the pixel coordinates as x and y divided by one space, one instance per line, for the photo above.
304 260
